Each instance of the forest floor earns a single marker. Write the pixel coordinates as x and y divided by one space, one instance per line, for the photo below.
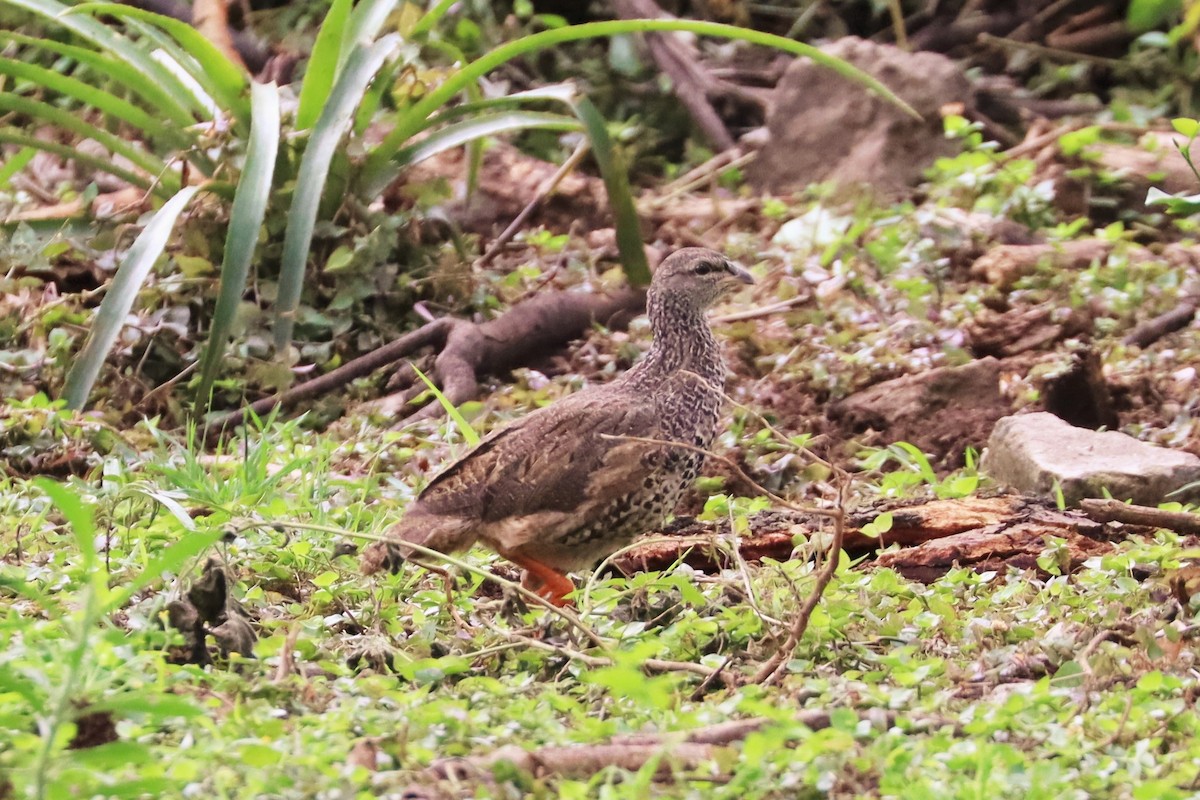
186 620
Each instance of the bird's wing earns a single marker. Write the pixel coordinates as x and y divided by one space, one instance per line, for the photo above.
555 459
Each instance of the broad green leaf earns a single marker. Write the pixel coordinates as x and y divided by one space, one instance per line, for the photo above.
1186 125
120 296
78 515
1180 205
245 221
620 195
314 171
322 65
16 164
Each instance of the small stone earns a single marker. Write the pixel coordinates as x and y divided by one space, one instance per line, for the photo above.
1034 452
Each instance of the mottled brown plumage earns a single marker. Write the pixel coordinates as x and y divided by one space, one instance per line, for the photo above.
557 490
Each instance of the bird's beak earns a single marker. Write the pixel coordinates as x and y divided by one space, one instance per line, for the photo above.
740 274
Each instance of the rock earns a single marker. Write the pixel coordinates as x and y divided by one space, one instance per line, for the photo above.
942 411
824 127
1032 452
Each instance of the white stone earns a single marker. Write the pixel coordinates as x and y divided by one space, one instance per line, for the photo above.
1034 452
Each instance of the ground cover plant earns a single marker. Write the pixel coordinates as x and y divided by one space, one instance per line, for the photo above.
184 615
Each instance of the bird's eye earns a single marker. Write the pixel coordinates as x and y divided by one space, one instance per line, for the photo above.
705 267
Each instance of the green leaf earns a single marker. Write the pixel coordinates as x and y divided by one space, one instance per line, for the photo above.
620 195
162 98
16 164
1179 205
245 221
109 40
366 20
225 81
1145 15
120 296
314 171
468 433
1186 125
13 136
484 125
414 119
76 124
166 561
78 515
322 65
95 97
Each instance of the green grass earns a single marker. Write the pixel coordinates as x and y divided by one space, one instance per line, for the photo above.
995 657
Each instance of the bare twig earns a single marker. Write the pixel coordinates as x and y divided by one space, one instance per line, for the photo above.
542 192
770 671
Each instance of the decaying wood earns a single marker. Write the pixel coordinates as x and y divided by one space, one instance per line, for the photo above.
467 350
1154 329
685 751
1020 330
997 548
1116 511
1003 266
980 532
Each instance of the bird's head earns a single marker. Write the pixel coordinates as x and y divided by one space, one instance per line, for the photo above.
697 276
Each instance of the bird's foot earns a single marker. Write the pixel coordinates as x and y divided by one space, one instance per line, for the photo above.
544 581
380 556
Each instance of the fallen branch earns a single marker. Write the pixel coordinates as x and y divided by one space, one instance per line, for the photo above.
1152 330
467 350
678 751
1116 511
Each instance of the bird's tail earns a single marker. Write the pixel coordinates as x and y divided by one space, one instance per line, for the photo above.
444 534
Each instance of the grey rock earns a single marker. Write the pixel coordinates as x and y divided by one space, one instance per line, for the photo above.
824 127
1031 452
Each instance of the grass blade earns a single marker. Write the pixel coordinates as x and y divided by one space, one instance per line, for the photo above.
120 296
322 65
16 164
366 20
620 196
468 433
75 124
314 170
14 136
109 40
116 69
97 98
487 125
225 81
245 221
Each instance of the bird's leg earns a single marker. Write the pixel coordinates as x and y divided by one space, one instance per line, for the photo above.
546 582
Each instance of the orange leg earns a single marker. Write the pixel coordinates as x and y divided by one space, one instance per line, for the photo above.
547 582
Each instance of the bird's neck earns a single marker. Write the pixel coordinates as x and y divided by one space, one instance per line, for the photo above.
683 340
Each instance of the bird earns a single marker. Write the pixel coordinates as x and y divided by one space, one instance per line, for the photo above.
561 488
